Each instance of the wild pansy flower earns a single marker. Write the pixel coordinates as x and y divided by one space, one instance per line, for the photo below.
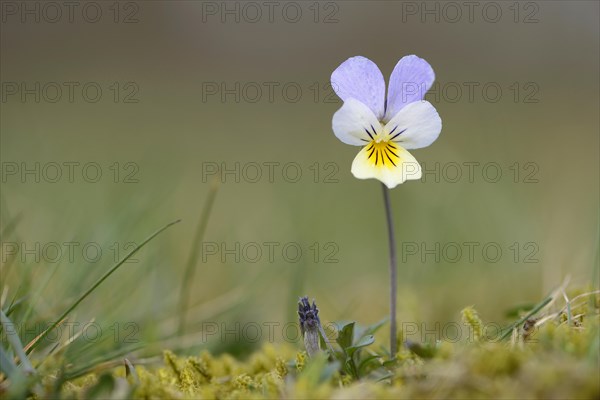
386 130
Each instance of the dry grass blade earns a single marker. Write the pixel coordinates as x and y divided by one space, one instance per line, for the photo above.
130 371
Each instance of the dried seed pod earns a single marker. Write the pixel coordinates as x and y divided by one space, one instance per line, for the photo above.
309 325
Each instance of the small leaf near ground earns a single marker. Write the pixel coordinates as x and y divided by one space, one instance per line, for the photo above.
345 335
363 342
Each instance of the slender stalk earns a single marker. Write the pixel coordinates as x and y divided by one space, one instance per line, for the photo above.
188 276
393 270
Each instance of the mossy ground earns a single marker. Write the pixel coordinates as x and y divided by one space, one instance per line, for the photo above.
557 359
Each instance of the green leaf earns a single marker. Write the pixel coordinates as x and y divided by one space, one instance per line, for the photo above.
363 342
367 364
345 335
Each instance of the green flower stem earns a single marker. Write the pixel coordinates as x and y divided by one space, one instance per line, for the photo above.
393 270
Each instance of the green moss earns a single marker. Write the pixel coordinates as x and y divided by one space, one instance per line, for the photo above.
471 319
551 364
552 358
301 360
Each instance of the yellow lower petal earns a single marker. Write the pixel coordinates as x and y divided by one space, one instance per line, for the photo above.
386 162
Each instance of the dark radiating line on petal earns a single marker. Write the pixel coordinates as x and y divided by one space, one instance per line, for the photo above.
374 131
388 149
396 127
369 133
399 133
389 158
372 151
364 140
376 157
370 146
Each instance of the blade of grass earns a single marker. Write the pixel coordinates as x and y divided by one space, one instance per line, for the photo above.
535 310
38 340
596 265
130 371
7 365
568 306
107 360
34 297
61 346
15 342
7 230
227 303
188 276
40 335
14 303
11 226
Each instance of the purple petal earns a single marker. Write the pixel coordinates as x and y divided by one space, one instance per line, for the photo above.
411 79
359 78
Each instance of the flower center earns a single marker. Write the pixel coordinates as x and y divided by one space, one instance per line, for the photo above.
383 153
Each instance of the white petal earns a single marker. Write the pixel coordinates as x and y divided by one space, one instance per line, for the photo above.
407 167
416 125
352 122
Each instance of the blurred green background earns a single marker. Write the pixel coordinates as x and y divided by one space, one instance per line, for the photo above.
544 56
